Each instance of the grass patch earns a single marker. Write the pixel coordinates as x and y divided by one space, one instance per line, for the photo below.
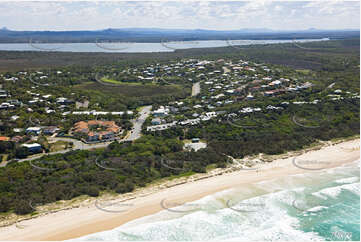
3 157
59 145
211 167
303 71
112 81
186 174
130 90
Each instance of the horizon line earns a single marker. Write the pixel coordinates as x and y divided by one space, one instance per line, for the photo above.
185 29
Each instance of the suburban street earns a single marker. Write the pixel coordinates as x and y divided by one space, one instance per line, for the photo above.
78 145
196 89
225 69
137 124
135 133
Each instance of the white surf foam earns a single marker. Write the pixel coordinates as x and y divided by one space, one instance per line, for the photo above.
335 191
348 180
271 222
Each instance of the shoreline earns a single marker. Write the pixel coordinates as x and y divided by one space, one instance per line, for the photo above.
77 222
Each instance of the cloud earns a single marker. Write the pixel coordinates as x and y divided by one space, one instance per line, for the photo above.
73 15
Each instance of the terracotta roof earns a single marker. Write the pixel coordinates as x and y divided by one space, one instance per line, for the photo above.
114 129
80 125
4 138
92 134
83 127
93 122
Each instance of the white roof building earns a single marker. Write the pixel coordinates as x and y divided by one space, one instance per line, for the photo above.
34 145
33 129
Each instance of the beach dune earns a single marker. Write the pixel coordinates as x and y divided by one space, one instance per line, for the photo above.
77 222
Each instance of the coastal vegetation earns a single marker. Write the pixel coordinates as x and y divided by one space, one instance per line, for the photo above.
121 167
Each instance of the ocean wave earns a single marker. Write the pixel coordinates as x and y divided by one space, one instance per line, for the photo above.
336 191
348 180
271 224
278 219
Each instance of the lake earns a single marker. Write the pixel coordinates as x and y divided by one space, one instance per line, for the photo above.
125 47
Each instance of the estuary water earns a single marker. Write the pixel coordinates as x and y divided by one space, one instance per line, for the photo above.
140 47
317 206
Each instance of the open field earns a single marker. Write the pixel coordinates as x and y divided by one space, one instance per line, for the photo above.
112 81
130 89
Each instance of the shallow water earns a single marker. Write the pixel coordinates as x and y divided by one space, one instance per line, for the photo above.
323 205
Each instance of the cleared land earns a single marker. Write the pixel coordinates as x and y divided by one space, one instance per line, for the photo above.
131 90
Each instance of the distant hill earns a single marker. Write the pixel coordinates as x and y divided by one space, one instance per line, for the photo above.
157 35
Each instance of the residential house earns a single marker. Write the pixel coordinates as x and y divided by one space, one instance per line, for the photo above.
33 130
161 126
161 112
50 130
17 139
250 97
33 148
106 135
6 106
195 140
93 136
3 94
156 121
4 138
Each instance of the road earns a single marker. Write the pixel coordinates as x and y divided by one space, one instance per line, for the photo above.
196 89
226 70
78 145
137 124
136 133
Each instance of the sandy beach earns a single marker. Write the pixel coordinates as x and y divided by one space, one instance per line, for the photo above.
76 222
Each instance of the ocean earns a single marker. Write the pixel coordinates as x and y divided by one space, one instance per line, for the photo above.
316 206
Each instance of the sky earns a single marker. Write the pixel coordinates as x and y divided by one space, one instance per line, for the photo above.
186 14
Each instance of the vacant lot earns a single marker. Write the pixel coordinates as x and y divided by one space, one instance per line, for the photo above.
131 90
